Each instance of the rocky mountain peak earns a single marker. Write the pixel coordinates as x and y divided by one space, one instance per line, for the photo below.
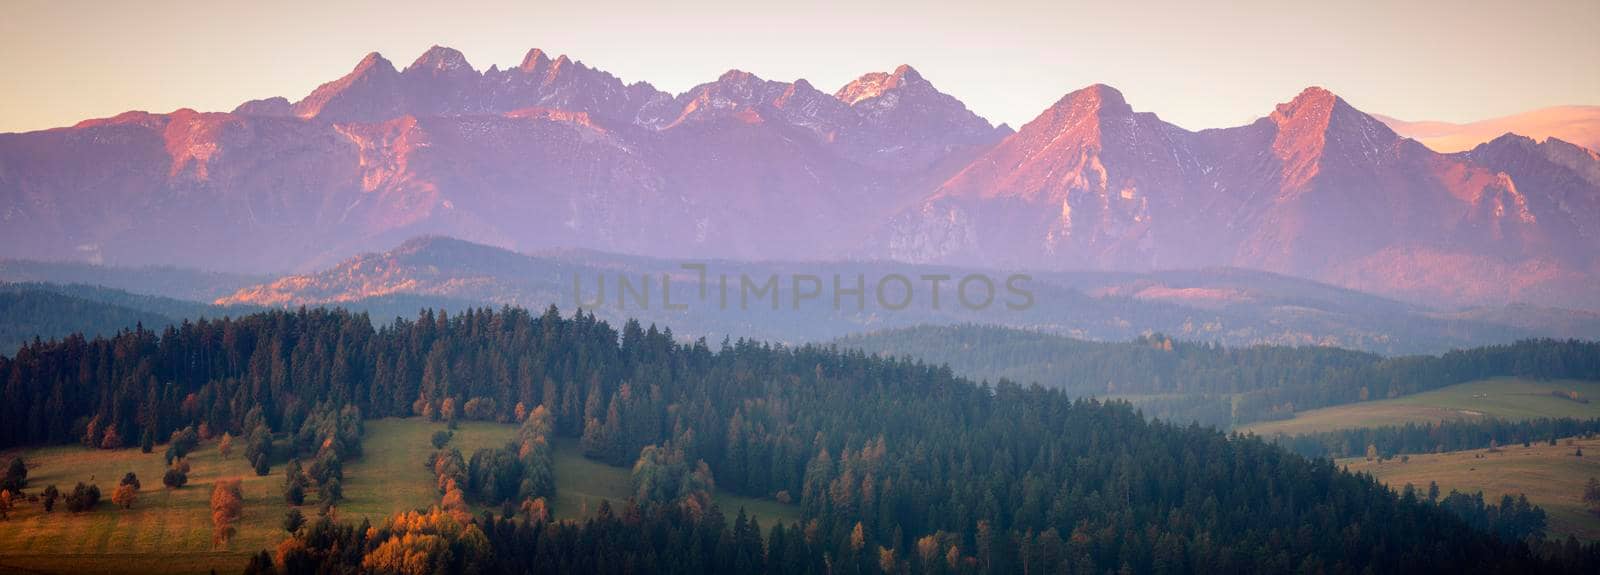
274 106
1097 100
372 63
535 60
876 84
441 59
367 93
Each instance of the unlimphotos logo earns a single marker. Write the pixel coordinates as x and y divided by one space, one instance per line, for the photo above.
694 284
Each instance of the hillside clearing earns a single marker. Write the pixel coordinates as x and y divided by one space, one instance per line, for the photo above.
1551 477
1505 397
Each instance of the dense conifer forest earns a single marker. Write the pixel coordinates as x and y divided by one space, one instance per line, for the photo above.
1268 382
896 465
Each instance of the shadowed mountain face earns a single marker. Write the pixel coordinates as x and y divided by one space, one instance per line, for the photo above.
1317 189
553 154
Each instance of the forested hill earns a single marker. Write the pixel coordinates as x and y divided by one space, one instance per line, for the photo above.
31 310
1268 381
29 314
893 463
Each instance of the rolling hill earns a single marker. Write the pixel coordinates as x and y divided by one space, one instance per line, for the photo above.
1550 475
1236 307
174 283
1229 386
29 314
1504 398
52 311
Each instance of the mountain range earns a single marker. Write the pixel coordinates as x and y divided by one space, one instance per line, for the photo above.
1577 124
556 154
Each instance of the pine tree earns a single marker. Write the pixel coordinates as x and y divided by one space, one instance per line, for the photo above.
293 520
49 497
16 477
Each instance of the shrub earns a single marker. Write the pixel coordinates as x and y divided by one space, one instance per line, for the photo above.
293 520
83 498
175 478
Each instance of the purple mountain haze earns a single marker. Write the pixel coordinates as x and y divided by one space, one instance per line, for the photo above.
553 153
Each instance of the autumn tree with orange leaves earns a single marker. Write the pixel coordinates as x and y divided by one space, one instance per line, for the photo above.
227 505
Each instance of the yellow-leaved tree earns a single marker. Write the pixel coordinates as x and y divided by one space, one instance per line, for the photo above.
418 543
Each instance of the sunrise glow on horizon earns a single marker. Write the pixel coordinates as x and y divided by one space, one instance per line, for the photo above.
1196 65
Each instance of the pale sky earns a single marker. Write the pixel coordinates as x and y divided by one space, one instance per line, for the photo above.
1199 64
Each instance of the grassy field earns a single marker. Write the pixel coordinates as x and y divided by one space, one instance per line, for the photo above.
170 531
581 484
175 523
1507 398
1550 475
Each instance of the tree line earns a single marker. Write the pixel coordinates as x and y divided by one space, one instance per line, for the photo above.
1201 379
1436 437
